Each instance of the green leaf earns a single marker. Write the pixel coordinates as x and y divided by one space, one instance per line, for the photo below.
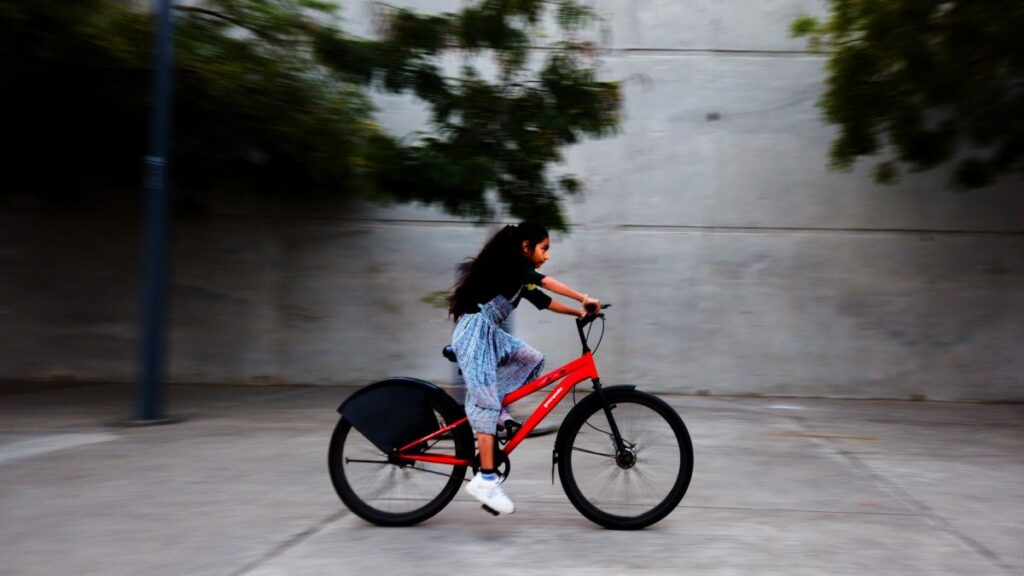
804 26
886 173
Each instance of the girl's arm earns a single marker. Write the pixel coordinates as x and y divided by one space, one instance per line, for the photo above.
549 283
557 306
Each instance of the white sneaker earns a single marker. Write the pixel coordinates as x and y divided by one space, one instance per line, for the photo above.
490 493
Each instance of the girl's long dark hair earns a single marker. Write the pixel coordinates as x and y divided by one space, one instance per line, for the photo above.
495 268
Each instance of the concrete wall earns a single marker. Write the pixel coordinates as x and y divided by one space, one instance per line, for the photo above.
737 263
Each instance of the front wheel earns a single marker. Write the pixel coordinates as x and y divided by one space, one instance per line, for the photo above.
636 486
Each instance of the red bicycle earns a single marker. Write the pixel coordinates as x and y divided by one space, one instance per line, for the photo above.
400 451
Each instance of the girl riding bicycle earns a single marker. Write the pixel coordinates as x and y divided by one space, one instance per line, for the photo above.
492 361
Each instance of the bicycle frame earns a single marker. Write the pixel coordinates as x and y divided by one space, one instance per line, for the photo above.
571 374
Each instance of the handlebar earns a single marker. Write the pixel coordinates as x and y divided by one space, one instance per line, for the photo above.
590 317
583 322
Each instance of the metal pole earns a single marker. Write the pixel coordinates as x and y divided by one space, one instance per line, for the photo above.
155 261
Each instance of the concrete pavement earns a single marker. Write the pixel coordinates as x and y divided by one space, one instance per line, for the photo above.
240 487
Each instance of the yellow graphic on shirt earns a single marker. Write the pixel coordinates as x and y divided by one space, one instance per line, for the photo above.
531 286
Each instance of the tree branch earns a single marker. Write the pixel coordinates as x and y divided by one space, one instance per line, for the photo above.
270 37
214 14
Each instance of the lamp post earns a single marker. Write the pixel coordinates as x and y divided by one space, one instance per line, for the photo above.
153 351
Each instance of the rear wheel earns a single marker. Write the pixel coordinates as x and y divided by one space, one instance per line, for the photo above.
636 486
394 492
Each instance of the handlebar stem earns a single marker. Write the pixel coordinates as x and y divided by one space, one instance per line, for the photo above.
580 323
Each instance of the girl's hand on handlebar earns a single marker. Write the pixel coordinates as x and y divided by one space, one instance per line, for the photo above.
591 307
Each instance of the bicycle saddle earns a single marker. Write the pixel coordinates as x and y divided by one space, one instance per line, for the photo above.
449 353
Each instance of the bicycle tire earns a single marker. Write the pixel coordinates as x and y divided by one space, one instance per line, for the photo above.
590 470
387 493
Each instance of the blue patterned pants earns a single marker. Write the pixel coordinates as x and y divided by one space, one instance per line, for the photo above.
493 362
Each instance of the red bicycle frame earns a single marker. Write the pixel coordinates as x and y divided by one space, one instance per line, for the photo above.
580 369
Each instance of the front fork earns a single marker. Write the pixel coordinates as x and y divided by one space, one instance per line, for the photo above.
620 446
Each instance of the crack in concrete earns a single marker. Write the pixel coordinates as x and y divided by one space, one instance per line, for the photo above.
799 510
288 544
910 501
926 511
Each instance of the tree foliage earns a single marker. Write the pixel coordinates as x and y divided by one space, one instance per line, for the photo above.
925 82
496 134
271 95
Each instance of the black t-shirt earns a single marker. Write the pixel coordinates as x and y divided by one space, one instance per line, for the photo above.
529 282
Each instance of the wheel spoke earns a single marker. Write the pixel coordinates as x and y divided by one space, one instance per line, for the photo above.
575 449
360 461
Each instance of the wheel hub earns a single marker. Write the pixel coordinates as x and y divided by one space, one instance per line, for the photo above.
625 458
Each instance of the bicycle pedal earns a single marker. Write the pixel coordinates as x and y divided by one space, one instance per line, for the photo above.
489 509
511 428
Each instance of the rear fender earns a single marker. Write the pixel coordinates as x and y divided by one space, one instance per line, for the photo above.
393 412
